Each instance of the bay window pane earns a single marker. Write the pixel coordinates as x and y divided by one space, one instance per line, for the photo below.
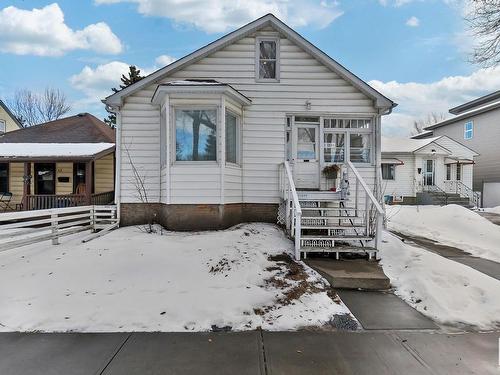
231 138
334 147
196 135
360 148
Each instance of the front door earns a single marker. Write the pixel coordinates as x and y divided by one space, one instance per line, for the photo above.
45 178
428 174
306 161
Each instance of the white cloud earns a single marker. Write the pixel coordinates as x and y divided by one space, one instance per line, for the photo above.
417 100
96 83
220 15
413 22
396 3
164 60
44 32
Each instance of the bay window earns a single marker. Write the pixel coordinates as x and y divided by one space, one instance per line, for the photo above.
232 137
196 135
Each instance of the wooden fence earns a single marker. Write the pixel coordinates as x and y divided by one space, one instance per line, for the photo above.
28 227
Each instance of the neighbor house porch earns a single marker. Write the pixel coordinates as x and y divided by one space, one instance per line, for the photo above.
74 175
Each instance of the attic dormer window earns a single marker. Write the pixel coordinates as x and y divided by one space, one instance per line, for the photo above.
267 64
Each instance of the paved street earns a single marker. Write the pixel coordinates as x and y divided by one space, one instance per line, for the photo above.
373 352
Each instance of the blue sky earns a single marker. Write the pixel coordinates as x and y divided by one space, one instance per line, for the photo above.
413 51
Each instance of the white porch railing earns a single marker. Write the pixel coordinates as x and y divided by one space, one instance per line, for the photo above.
374 213
458 187
28 227
292 215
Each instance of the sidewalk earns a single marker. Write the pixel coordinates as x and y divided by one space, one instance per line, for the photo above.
255 352
486 266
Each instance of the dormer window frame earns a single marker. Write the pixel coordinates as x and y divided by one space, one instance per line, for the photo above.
258 41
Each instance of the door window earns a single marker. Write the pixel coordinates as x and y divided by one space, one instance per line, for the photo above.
306 143
429 172
45 174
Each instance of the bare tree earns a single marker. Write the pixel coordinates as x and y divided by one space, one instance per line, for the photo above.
484 22
32 108
139 181
431 119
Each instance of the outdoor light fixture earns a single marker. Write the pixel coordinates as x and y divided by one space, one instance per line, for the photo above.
308 105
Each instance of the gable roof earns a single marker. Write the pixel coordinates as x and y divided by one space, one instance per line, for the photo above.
115 100
475 103
411 145
14 118
82 128
407 145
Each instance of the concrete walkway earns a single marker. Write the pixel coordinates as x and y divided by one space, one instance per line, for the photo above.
486 266
252 352
494 218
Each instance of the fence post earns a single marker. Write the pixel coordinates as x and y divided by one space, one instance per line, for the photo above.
92 218
53 225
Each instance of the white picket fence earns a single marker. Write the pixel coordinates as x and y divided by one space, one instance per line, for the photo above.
28 227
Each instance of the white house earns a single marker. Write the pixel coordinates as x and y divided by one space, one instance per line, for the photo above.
438 166
241 129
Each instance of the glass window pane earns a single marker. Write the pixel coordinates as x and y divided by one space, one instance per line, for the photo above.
267 69
231 138
196 135
268 49
3 126
360 148
306 143
334 148
4 178
388 171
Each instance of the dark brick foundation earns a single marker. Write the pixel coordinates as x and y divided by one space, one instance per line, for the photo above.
197 216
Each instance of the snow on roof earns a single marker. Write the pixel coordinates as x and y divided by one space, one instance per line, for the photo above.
32 150
404 145
194 82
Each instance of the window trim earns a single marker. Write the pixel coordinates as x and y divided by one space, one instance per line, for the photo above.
4 126
238 139
258 40
173 144
382 171
8 178
448 172
471 130
458 172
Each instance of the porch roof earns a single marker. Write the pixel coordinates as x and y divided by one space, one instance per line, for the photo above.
54 151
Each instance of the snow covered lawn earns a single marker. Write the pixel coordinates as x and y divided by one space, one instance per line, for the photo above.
447 291
130 280
450 225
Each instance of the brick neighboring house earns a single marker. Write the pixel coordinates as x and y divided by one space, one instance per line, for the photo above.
476 125
62 163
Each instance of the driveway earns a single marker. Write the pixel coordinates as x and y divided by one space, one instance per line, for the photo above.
254 352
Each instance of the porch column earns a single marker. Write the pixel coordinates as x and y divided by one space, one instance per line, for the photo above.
26 184
88 182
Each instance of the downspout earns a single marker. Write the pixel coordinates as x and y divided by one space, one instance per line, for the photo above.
118 152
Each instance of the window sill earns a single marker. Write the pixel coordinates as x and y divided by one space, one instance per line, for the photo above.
233 166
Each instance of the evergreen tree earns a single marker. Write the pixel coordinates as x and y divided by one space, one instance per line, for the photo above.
134 75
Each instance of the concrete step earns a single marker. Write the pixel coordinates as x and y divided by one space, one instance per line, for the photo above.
336 238
351 274
332 226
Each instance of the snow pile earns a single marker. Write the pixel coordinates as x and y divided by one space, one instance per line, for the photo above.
130 280
447 291
450 225
18 150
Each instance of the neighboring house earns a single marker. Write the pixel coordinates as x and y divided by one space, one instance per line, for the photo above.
476 125
61 163
210 132
436 166
8 121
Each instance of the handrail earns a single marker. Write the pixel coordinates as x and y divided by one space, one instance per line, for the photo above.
292 187
365 187
474 198
293 212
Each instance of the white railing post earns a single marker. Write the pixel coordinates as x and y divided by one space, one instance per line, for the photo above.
92 218
298 219
54 229
356 199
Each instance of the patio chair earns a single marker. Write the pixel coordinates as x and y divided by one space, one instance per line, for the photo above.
5 199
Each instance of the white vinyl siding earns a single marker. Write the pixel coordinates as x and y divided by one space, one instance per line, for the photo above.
262 124
404 181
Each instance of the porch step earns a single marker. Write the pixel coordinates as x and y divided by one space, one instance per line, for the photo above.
332 226
336 238
333 217
338 249
331 209
324 196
